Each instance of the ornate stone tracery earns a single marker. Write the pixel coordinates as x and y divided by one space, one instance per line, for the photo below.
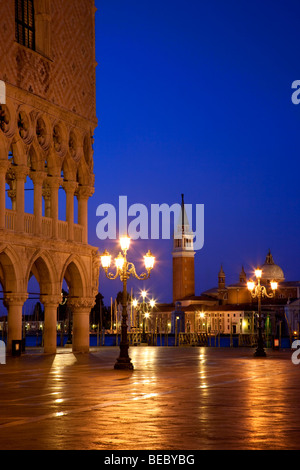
4 118
43 139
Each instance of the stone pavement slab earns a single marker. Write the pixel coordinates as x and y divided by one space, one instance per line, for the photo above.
174 399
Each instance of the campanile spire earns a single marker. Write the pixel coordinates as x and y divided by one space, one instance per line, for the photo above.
183 257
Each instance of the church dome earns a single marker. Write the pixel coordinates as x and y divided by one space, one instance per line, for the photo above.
271 271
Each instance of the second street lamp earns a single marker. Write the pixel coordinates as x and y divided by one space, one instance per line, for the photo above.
258 291
143 308
124 270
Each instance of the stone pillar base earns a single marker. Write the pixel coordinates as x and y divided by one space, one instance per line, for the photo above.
81 324
14 303
50 331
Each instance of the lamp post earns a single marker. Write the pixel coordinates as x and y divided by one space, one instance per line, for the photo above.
64 299
258 291
202 322
124 270
144 308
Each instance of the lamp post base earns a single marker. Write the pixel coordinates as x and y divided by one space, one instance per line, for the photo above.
260 352
144 339
123 364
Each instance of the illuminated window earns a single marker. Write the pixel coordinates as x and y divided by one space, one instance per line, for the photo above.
25 30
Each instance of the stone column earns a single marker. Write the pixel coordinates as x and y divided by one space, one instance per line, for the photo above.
81 309
4 164
21 173
51 304
83 194
12 193
38 178
46 192
54 183
14 304
70 188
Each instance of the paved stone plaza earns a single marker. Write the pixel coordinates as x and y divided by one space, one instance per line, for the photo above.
175 399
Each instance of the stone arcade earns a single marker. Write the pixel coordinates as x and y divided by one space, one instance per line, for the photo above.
47 61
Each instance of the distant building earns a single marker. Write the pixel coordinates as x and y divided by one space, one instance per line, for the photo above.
238 293
292 312
183 258
224 309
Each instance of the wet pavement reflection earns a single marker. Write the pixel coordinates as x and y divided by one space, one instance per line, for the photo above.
174 399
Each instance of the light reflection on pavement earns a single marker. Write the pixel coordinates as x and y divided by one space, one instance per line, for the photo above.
175 398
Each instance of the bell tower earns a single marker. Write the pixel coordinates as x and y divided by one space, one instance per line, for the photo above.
183 258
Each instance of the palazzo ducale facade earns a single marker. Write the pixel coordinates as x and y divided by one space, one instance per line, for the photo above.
47 62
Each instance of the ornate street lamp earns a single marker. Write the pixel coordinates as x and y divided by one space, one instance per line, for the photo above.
143 308
64 299
258 291
124 270
202 321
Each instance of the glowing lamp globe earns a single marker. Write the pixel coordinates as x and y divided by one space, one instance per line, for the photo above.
149 261
119 262
258 273
105 260
125 243
274 285
144 294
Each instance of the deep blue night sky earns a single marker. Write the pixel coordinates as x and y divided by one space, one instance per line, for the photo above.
194 97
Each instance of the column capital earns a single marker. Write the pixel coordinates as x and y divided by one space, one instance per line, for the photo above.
38 177
70 186
53 300
21 172
85 192
4 166
12 193
81 304
15 299
54 182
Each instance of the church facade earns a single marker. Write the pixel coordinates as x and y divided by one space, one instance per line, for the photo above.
225 308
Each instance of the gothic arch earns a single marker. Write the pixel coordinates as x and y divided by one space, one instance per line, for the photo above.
4 147
69 169
75 276
87 149
19 150
25 124
83 173
53 163
43 131
75 150
43 268
34 161
11 270
60 138
8 119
